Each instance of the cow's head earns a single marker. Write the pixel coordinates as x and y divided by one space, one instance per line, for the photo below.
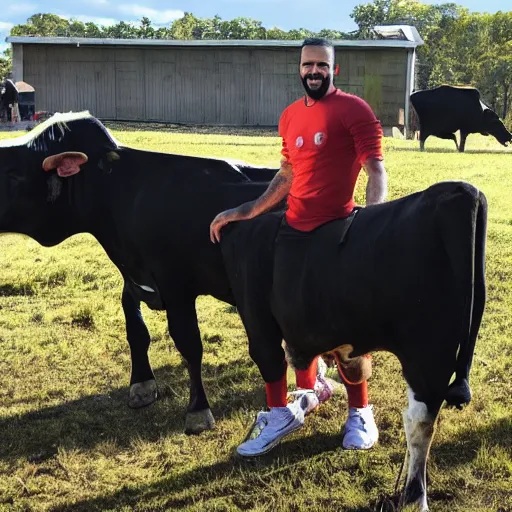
37 173
494 126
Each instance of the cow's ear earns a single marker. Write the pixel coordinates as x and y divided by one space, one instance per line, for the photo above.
66 164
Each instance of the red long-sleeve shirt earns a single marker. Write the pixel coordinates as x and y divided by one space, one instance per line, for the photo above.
326 144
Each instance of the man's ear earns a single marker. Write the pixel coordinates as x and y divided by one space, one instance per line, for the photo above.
336 70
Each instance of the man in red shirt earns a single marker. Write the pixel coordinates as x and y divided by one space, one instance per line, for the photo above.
327 137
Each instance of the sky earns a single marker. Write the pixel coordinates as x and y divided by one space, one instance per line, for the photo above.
285 14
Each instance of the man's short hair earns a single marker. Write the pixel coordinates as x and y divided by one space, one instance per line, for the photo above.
319 41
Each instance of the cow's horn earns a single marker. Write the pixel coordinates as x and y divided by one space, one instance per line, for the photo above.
52 162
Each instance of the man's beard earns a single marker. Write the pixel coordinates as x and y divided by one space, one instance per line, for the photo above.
319 93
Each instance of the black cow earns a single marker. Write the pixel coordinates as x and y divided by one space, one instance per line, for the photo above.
151 213
405 276
8 96
445 109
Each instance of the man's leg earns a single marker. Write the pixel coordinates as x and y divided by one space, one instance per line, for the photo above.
360 431
270 427
265 349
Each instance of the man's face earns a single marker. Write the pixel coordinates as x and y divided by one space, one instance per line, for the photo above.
316 70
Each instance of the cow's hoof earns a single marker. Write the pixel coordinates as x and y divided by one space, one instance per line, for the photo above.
143 394
418 505
199 421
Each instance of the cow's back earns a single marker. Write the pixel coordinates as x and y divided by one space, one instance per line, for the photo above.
165 211
446 109
332 297
323 293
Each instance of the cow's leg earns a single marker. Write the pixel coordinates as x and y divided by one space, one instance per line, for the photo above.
184 330
463 137
419 430
427 367
143 390
423 137
454 138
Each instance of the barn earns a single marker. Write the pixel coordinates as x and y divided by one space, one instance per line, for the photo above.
207 82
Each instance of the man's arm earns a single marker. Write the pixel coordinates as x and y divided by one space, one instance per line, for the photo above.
277 190
377 186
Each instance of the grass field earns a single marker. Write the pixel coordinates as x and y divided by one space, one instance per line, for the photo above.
68 442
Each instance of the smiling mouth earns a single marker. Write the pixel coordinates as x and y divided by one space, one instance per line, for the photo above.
314 84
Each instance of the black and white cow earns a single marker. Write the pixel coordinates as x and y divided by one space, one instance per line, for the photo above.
406 276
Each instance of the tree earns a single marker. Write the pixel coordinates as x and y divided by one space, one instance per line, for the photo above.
5 65
300 34
44 25
121 30
276 34
146 31
495 67
92 30
183 28
76 28
431 21
242 28
334 34
477 51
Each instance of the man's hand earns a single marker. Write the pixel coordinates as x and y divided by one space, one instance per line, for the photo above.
277 190
222 219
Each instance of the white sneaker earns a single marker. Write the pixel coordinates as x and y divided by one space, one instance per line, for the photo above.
270 427
307 399
361 432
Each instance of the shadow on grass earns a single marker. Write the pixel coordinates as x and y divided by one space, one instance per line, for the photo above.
256 471
168 492
464 447
90 420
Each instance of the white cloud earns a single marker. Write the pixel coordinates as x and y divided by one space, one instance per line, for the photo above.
5 26
21 8
157 17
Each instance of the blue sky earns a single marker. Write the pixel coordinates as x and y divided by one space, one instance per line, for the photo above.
285 14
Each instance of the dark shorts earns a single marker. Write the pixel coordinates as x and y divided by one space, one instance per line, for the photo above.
293 244
297 257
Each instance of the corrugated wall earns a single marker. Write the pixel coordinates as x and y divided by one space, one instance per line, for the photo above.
235 86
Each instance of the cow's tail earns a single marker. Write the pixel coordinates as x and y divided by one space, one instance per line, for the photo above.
465 244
